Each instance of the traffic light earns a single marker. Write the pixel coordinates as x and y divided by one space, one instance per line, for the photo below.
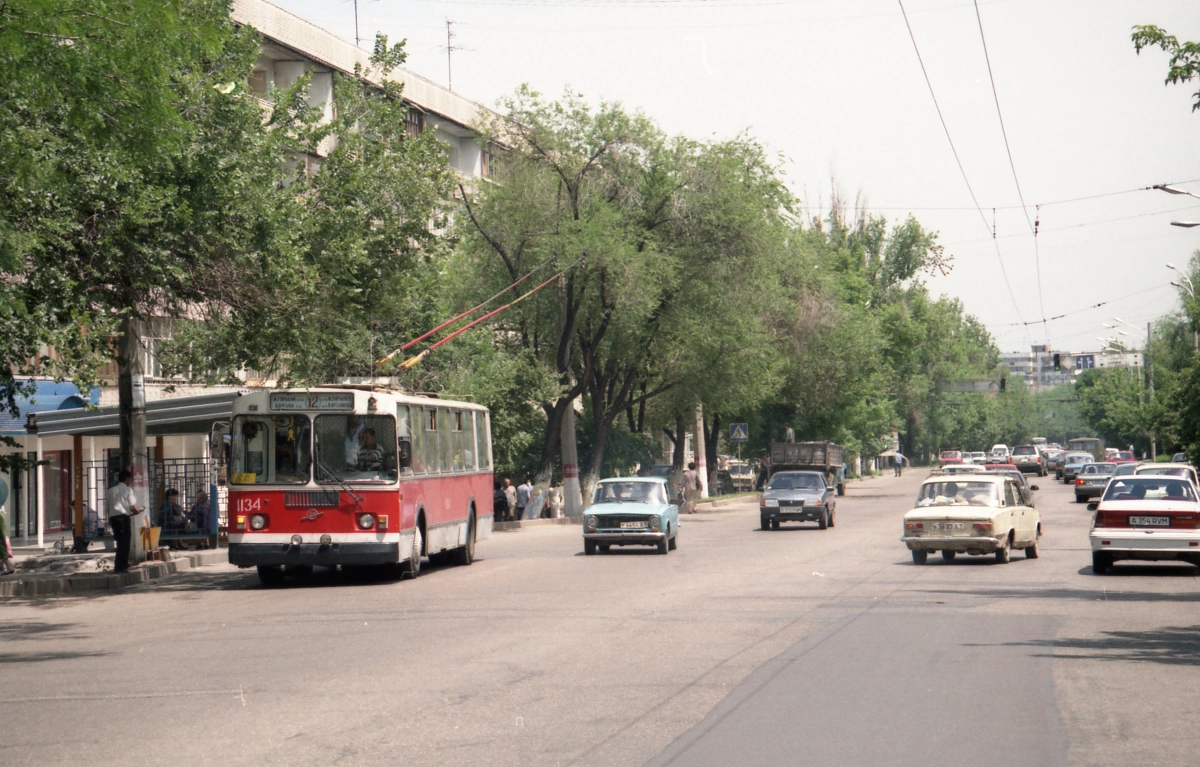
1057 361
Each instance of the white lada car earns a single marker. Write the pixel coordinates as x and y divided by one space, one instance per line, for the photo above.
972 514
1147 517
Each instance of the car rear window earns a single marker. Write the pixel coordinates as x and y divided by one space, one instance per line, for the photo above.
1025 450
1160 487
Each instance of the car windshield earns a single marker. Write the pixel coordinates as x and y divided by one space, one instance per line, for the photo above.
1079 458
1099 468
356 448
795 482
629 492
958 494
1149 488
270 450
1125 455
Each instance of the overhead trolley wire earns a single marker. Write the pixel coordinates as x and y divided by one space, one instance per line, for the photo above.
961 169
1033 227
1087 308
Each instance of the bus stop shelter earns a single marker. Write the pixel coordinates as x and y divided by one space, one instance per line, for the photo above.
188 438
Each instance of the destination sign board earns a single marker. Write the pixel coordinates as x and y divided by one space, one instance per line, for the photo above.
298 400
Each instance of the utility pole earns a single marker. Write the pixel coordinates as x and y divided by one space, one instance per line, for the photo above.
449 53
131 386
357 39
1150 386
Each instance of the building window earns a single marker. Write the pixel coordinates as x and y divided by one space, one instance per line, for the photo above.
414 122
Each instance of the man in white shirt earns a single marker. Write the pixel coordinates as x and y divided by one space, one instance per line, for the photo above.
120 502
523 491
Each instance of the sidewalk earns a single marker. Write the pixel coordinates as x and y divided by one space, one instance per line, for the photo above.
48 582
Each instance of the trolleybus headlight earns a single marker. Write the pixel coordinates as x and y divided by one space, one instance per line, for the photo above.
326 539
297 540
366 521
258 521
591 522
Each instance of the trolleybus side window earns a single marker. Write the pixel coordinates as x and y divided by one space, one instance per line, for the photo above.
356 448
431 448
469 440
403 431
482 442
444 439
456 420
270 450
418 441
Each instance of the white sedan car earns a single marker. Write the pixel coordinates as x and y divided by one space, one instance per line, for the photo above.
1146 517
971 514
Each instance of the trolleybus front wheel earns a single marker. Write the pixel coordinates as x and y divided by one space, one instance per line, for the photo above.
270 575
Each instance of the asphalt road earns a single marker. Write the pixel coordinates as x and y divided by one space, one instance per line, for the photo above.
742 647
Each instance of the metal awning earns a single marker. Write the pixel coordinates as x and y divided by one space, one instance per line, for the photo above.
176 415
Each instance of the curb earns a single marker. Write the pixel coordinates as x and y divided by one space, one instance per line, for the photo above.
36 585
502 526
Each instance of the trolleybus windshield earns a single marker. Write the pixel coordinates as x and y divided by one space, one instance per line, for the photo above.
355 448
271 450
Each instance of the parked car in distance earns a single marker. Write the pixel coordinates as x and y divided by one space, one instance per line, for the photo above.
975 515
1000 450
1073 463
1092 479
1179 458
950 456
631 511
798 496
1145 517
1123 456
741 475
979 457
1027 459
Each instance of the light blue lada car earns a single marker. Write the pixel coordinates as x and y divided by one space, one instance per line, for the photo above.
631 511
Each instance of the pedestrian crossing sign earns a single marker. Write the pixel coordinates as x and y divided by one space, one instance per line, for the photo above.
739 432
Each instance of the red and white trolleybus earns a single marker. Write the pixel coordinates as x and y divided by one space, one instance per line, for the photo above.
356 476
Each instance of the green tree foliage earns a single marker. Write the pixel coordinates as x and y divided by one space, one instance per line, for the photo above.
1185 57
1114 402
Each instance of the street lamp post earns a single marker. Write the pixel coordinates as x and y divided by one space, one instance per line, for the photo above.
1186 285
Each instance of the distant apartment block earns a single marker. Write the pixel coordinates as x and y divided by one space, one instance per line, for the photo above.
1037 367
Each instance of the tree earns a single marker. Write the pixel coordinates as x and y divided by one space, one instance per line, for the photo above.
1185 57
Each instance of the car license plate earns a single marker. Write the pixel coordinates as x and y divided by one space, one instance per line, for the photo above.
1150 521
633 525
949 525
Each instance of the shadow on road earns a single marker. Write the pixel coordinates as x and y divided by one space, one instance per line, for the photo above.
39 657
1090 595
1172 645
37 630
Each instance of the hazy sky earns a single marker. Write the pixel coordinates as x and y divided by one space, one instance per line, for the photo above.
836 88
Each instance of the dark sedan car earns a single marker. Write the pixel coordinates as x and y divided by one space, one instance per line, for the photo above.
1092 479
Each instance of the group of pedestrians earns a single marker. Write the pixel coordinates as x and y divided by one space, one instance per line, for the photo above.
508 502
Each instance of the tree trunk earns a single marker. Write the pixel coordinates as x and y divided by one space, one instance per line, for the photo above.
680 441
711 441
701 454
600 427
131 385
572 499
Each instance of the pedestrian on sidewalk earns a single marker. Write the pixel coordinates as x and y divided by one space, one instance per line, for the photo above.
499 504
6 555
523 491
691 488
898 463
120 502
510 494
789 434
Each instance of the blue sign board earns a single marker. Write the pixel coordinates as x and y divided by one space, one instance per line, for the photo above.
739 432
1085 361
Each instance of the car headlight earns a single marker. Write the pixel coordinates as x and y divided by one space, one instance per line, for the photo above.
592 522
258 521
655 520
366 521
770 501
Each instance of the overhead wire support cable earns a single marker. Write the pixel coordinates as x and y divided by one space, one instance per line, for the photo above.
958 160
1037 257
